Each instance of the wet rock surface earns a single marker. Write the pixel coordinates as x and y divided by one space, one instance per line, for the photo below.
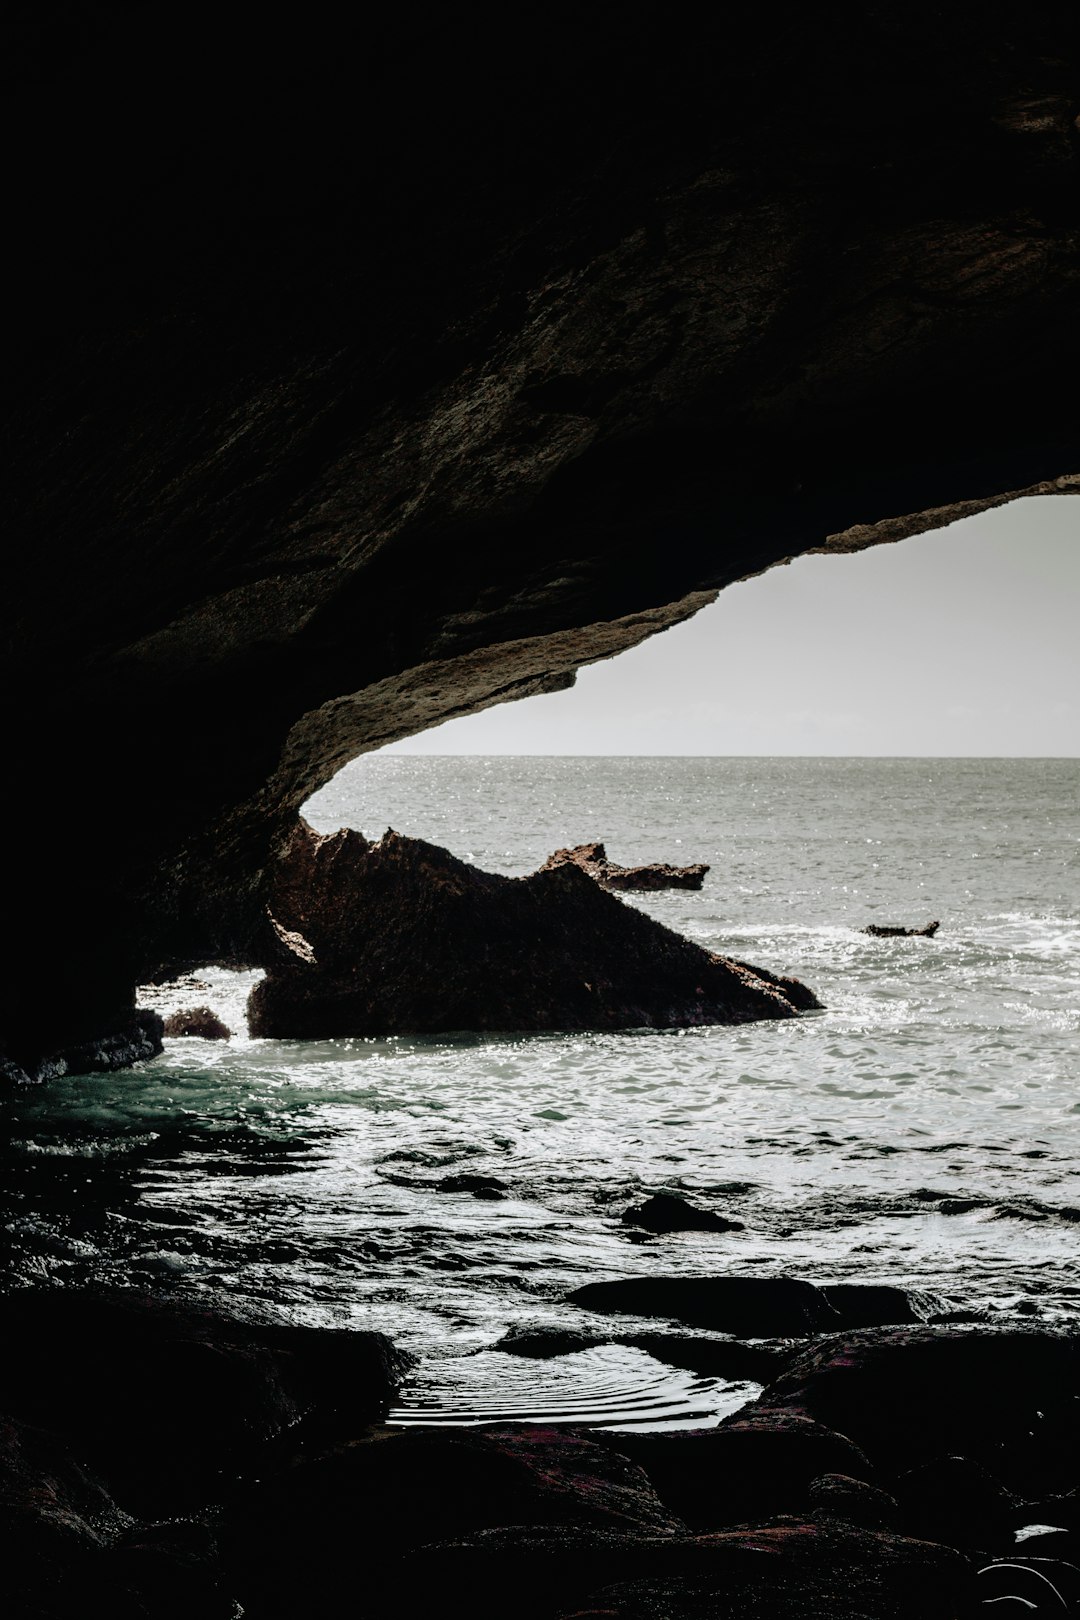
666 1213
130 1037
406 938
885 931
200 1021
198 1465
1004 1398
751 1307
169 1400
593 861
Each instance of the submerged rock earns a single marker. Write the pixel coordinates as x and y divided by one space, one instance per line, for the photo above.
406 939
755 1307
881 931
200 1021
593 861
666 1213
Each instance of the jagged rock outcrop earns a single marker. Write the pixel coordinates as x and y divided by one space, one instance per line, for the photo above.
339 406
593 861
408 939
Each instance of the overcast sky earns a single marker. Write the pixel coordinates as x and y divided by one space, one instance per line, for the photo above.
964 641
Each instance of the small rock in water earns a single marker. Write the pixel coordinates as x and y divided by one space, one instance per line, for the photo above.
883 931
479 1186
542 1344
200 1021
753 1307
666 1213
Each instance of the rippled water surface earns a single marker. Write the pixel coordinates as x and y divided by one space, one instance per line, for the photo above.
924 1128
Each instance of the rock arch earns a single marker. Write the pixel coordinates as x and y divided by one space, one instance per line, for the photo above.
350 391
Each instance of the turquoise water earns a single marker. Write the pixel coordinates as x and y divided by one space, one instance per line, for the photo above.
924 1128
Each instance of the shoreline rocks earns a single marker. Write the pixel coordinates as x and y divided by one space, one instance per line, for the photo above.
593 860
194 1463
404 938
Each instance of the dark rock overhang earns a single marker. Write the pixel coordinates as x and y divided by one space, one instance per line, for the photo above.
357 385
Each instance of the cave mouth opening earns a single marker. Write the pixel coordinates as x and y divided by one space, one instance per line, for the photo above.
956 643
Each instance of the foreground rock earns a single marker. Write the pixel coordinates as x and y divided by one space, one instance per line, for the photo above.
800 1568
170 1400
754 1466
1007 1399
54 1516
405 938
593 861
407 1489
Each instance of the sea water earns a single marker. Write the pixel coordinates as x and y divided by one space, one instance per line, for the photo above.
923 1129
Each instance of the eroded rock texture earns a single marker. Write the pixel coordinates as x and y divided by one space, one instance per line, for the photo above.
355 385
593 861
401 937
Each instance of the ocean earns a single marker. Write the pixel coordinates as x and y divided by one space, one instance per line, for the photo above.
923 1129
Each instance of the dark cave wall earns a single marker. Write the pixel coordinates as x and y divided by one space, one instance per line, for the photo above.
356 381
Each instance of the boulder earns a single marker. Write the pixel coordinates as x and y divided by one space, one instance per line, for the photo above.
714 1358
200 1021
170 1401
55 1517
860 1305
593 861
394 1491
752 1307
1006 1398
542 1344
954 1500
853 1501
406 938
752 1467
665 1212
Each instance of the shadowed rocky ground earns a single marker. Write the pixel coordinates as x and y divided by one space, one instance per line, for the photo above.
227 1463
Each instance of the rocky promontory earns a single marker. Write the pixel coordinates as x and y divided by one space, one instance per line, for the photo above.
401 937
593 861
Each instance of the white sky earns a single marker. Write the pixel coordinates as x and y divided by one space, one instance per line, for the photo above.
964 641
